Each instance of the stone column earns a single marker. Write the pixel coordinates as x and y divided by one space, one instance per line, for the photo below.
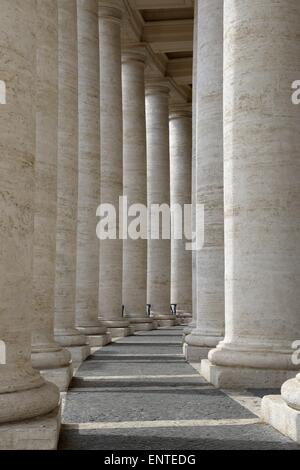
193 323
23 392
180 190
158 176
111 179
67 182
135 186
283 411
262 195
87 274
48 356
210 258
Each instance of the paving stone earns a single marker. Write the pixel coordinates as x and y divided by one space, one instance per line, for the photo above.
254 437
130 381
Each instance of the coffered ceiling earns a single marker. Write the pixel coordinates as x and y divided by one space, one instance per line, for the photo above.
164 28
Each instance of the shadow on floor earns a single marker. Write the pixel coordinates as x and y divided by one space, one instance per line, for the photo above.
104 441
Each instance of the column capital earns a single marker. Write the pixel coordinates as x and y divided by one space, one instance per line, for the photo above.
180 111
160 88
134 55
112 10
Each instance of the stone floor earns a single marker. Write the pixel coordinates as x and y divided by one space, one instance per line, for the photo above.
139 393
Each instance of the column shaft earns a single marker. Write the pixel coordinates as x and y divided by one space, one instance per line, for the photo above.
180 190
158 176
67 185
209 170
192 325
87 272
111 187
48 356
23 392
135 186
262 194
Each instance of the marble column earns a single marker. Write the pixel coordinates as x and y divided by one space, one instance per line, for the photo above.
87 273
23 392
180 122
158 176
283 411
262 196
67 185
111 173
49 357
187 330
210 258
135 187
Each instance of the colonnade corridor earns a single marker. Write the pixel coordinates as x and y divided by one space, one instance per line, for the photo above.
139 393
149 225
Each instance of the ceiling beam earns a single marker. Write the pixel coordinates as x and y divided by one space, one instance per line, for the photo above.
169 36
181 70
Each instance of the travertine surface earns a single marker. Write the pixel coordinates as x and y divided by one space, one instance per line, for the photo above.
194 158
291 393
282 417
192 325
209 121
135 185
23 393
262 174
158 175
41 433
46 353
111 175
67 179
180 190
87 273
284 412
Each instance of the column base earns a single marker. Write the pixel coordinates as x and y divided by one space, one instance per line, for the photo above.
243 377
132 330
278 414
117 328
98 341
184 318
140 324
164 321
34 399
197 346
61 377
195 353
54 364
188 330
91 330
79 354
40 433
119 332
70 337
